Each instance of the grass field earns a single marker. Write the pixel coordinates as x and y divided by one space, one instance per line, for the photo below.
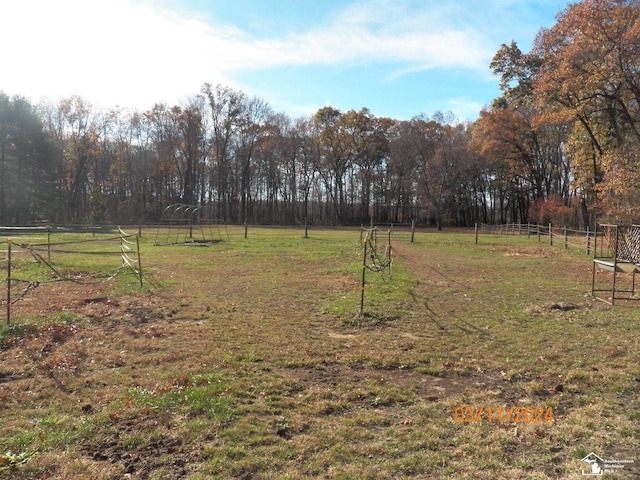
250 360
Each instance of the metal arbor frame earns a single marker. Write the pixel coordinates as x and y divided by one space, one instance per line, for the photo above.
371 259
618 251
187 224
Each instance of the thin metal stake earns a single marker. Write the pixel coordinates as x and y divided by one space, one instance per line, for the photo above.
389 256
364 269
8 281
139 261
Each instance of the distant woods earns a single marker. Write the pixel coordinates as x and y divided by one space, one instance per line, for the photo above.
70 163
559 145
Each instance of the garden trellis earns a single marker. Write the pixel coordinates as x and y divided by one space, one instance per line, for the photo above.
124 245
187 224
375 257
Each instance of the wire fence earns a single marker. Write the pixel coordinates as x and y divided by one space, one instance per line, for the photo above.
36 242
583 240
405 231
49 246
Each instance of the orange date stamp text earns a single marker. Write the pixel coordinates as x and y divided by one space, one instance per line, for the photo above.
512 414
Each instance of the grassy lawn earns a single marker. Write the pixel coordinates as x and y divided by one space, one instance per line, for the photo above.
248 358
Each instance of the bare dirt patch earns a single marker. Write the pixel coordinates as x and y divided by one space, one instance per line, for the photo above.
144 459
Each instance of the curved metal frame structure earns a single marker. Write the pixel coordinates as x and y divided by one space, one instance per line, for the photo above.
187 224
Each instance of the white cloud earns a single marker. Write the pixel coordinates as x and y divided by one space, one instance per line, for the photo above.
373 32
135 52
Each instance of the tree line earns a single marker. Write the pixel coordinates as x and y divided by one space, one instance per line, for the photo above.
559 144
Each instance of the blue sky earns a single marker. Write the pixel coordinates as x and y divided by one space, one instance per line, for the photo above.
398 58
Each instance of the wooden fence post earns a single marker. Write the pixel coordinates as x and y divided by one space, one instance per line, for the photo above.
550 234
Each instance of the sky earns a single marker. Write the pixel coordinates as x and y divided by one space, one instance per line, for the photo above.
398 58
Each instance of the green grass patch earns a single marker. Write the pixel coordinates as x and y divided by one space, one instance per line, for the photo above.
202 395
59 326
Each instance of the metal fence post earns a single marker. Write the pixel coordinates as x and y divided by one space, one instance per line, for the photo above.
139 260
8 281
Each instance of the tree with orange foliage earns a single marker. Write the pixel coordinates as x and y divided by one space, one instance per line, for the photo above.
526 153
527 156
552 210
590 59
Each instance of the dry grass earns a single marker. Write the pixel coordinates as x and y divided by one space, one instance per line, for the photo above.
251 362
